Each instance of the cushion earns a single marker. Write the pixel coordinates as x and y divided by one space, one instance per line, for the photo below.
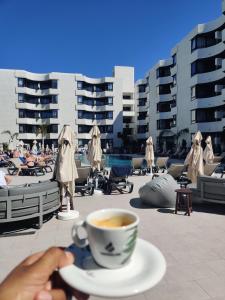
160 191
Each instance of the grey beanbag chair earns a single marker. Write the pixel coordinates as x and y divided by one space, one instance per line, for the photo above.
160 191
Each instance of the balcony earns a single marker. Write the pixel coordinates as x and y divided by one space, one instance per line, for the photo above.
164 80
166 97
128 101
128 114
94 94
209 102
38 92
33 121
33 136
143 122
87 136
94 108
92 122
129 125
143 108
209 76
165 115
214 50
216 126
36 106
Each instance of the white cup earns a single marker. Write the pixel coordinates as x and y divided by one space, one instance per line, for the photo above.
111 247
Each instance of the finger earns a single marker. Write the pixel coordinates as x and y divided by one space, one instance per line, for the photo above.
52 259
32 258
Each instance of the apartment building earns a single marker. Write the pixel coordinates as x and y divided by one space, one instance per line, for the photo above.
187 91
34 105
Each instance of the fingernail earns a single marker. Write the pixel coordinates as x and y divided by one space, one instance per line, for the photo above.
43 295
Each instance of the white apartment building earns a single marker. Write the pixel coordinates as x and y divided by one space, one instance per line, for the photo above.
188 89
28 101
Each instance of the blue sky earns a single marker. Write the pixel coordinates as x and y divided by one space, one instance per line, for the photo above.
92 36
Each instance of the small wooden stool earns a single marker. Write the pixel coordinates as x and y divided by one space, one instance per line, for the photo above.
183 201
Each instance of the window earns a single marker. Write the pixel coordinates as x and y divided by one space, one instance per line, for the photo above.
54 84
21 82
110 100
79 85
52 128
21 97
110 86
126 97
110 115
20 128
193 116
193 92
163 72
142 101
54 113
174 121
141 88
174 80
193 44
174 57
21 113
80 114
79 99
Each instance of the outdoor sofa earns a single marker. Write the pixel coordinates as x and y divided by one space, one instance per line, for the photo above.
209 189
24 202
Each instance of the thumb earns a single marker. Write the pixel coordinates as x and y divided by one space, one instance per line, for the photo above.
52 259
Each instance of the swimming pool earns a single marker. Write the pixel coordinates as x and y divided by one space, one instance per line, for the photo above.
111 159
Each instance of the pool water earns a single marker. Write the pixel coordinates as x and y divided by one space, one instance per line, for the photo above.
111 160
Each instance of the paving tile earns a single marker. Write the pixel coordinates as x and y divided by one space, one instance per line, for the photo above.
215 287
188 290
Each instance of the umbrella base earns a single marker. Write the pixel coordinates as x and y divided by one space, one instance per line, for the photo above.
65 216
98 192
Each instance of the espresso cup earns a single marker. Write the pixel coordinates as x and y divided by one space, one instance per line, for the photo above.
111 235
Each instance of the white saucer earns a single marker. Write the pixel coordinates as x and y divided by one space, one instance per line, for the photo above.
145 269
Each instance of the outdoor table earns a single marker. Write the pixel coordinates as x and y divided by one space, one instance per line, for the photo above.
183 200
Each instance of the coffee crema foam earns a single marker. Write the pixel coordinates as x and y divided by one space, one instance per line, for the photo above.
113 222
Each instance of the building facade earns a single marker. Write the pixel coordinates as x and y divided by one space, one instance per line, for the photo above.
187 91
34 105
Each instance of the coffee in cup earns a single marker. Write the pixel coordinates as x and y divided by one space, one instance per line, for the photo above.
111 235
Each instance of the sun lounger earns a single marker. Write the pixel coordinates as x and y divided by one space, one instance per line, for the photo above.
137 165
118 180
78 163
24 170
161 164
174 170
210 168
82 184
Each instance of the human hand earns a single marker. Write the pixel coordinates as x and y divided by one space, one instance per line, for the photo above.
35 278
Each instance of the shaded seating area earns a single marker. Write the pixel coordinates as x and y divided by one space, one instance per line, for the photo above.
118 180
33 201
